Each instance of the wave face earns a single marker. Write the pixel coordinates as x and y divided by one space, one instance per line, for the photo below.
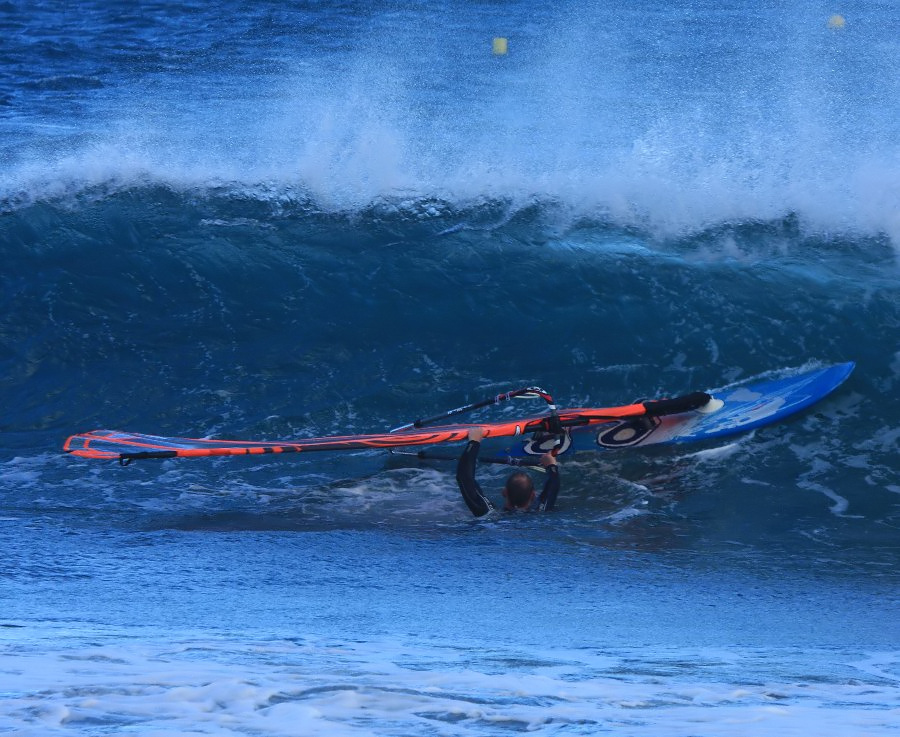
214 312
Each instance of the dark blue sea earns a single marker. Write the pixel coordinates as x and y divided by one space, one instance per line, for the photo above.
277 220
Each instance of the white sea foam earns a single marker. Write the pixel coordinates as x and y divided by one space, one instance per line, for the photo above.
59 680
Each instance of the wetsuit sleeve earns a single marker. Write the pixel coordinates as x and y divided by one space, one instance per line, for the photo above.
474 498
547 499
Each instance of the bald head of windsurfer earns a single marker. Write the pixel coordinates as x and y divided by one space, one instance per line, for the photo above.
518 491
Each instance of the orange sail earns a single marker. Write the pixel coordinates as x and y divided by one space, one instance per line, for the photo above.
116 445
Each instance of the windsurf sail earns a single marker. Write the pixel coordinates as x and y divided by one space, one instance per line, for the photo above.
126 447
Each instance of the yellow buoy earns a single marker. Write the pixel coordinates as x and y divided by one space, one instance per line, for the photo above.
836 22
500 46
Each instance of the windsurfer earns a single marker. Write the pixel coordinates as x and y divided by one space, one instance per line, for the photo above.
518 492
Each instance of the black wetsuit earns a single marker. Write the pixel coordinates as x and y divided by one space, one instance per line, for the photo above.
474 497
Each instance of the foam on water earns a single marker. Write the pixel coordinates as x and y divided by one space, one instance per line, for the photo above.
67 680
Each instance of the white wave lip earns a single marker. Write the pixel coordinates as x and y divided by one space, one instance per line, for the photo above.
704 126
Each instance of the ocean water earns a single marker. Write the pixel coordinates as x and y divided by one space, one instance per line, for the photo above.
279 220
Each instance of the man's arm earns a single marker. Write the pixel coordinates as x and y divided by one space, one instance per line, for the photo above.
547 499
472 495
